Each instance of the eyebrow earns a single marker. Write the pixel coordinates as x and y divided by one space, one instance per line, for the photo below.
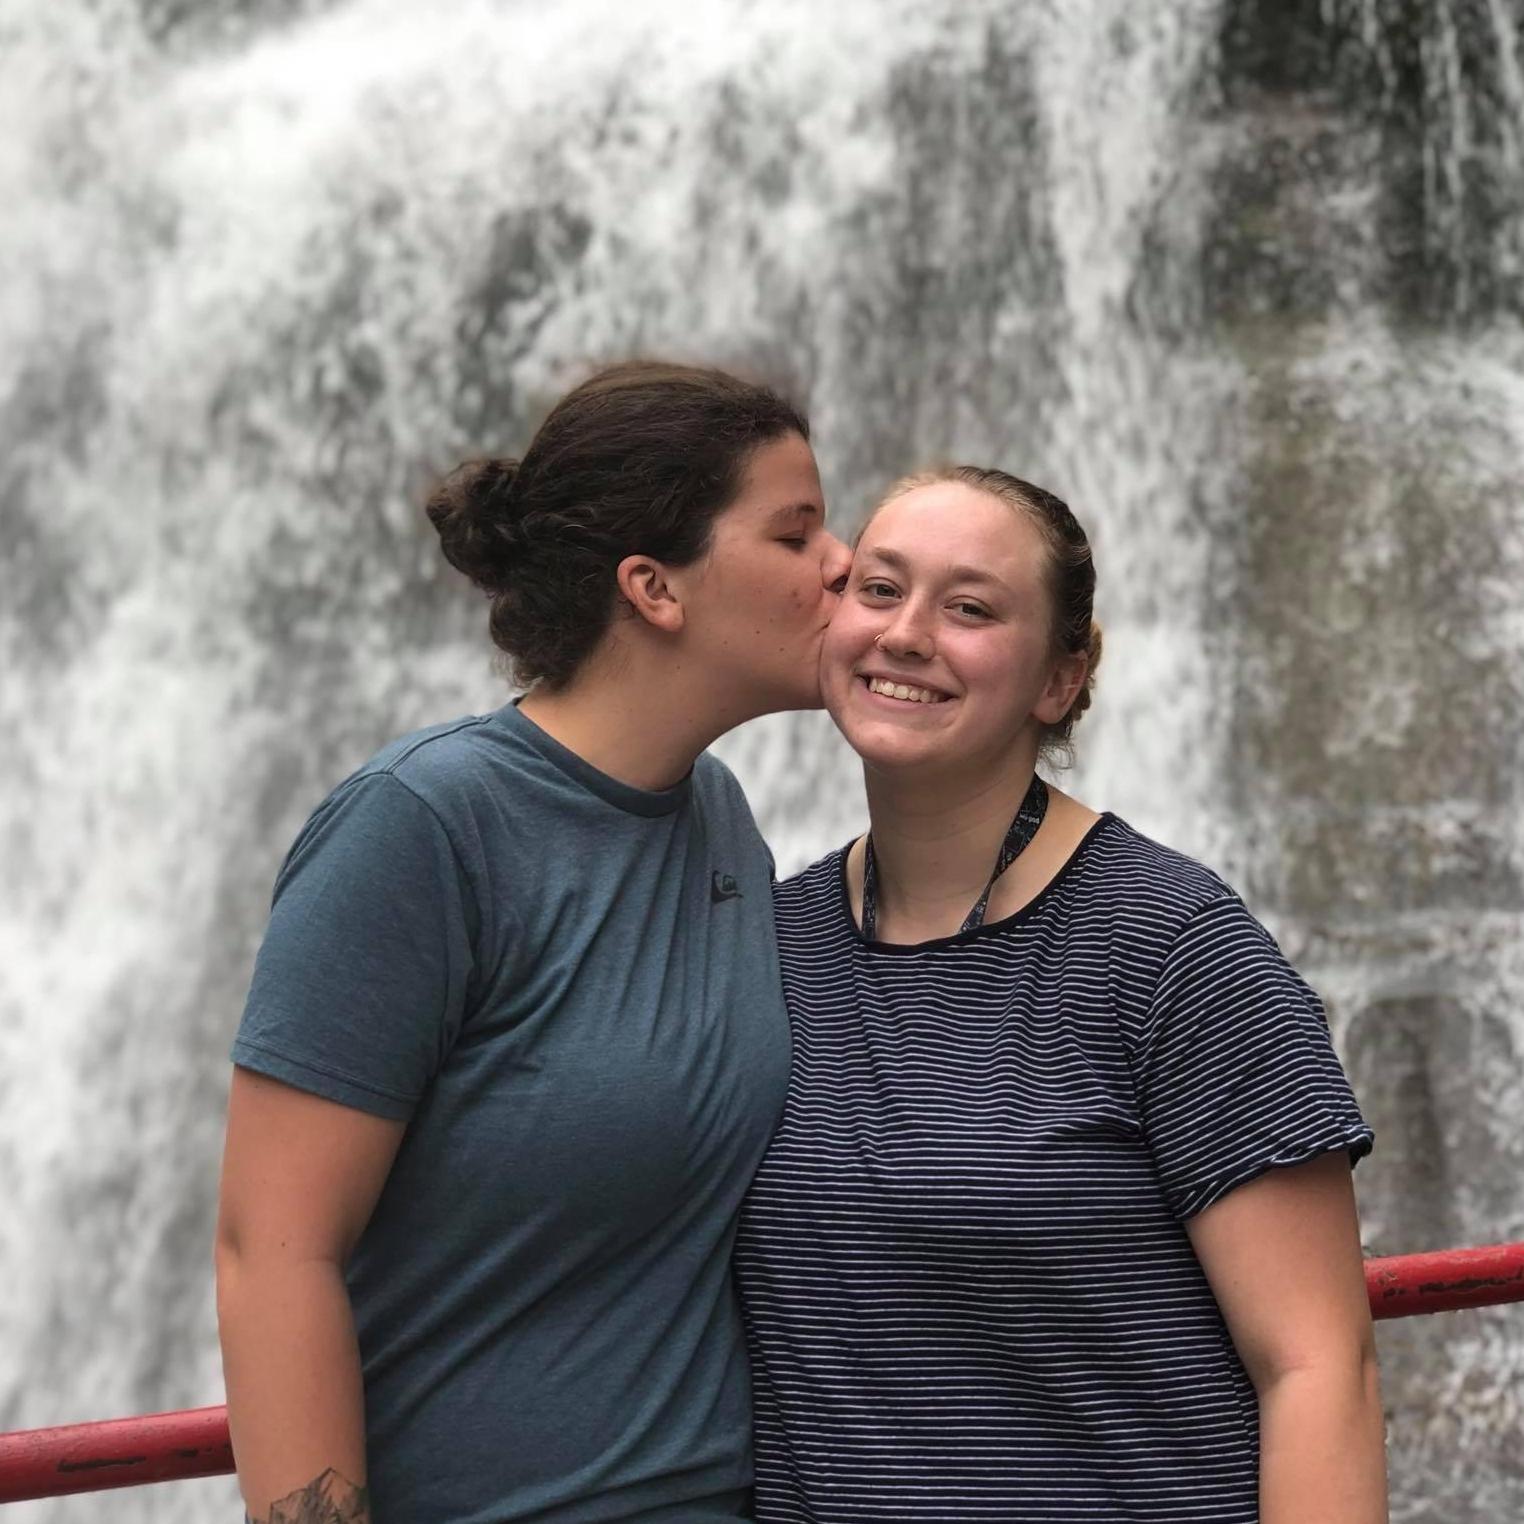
787 513
954 573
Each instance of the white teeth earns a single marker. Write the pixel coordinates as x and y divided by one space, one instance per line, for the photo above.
903 691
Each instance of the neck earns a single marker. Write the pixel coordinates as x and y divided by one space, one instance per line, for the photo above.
936 840
641 725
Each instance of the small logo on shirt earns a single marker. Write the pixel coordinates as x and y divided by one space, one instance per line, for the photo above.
723 887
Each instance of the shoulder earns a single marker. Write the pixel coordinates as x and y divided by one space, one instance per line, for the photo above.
435 762
803 893
724 809
1193 905
1133 905
477 776
717 788
1155 888
1205 950
414 789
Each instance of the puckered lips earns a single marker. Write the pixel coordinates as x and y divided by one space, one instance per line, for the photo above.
900 690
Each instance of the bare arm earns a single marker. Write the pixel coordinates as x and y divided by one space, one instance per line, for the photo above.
300 1177
1282 1254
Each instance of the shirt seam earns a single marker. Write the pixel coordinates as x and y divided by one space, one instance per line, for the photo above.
325 1071
1134 1045
509 911
545 746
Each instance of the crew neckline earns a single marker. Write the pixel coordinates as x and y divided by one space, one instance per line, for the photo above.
614 791
844 900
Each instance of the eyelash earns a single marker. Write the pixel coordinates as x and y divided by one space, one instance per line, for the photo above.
969 610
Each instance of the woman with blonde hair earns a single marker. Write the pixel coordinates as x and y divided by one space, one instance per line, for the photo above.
1058 1224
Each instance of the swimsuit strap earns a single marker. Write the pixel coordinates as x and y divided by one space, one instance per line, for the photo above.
1023 828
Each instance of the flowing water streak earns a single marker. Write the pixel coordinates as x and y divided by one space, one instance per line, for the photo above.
1142 443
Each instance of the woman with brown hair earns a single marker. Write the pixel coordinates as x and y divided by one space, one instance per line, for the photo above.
1058 1224
515 1040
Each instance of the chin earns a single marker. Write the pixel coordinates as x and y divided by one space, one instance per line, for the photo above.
882 747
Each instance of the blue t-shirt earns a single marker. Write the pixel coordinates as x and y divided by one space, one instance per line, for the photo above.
569 988
967 1279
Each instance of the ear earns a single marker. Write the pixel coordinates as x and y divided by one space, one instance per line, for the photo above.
1064 683
644 585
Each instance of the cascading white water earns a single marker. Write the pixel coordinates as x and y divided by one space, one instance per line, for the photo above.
266 269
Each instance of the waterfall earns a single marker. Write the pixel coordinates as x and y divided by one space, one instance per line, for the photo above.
1241 279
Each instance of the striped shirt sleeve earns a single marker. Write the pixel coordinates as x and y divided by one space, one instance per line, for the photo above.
1235 1070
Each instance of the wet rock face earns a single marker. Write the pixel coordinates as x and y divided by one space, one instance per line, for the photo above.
190 25
1359 268
1376 738
1439 87
960 274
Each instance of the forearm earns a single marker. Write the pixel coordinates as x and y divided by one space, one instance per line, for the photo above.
1322 1446
295 1401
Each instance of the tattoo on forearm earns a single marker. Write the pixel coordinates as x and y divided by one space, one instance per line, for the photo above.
327 1499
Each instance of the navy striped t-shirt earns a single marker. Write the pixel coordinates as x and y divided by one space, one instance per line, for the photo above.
967 1283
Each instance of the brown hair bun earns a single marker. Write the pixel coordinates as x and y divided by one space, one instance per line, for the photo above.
472 511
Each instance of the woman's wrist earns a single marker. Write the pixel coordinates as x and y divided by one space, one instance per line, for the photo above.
326 1499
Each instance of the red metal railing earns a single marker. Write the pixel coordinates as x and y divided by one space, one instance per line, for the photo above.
122 1452
1446 1281
168 1447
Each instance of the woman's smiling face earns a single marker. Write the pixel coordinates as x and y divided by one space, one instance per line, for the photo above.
941 651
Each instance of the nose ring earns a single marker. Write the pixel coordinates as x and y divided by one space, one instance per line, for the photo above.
878 640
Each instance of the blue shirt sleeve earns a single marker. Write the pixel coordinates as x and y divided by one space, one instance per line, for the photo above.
1236 1072
360 986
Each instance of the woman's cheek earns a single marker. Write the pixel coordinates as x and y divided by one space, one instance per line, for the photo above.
838 636
837 658
844 619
